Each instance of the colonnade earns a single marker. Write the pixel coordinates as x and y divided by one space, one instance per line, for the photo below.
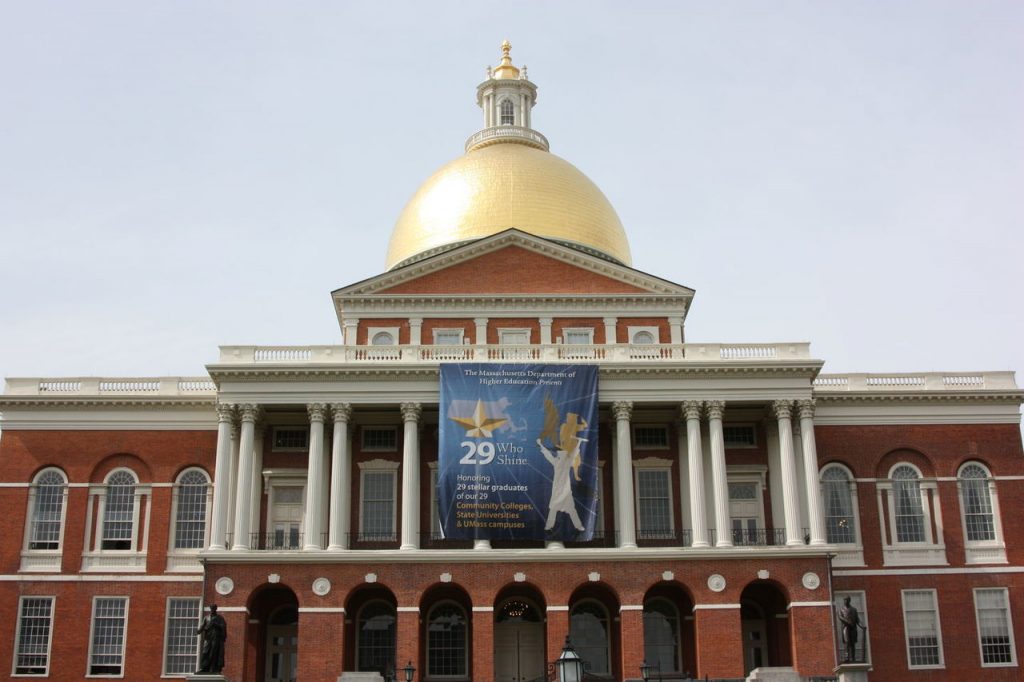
328 500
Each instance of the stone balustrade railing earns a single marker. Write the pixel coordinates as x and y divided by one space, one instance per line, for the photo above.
529 136
431 354
103 386
917 381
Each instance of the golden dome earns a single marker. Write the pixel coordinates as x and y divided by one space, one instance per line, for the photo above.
505 185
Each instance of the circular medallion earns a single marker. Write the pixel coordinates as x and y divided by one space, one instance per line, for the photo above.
716 582
811 580
321 586
224 586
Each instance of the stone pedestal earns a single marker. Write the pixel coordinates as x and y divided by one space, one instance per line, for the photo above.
206 677
360 677
774 675
853 672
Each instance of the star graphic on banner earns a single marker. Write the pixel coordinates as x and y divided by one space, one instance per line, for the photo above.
478 424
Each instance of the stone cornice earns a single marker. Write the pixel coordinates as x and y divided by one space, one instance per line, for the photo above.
909 397
8 402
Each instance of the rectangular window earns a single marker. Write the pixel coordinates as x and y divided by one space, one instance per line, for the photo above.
32 641
296 438
181 645
921 621
379 439
448 337
106 645
377 521
580 337
650 437
739 436
995 632
654 503
514 337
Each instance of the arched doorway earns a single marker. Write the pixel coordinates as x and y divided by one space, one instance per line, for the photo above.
274 613
371 631
669 640
518 641
765 624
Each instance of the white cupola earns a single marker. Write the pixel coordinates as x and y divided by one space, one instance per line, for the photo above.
507 98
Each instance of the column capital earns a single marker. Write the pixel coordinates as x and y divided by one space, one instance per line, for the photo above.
610 320
316 411
622 410
411 412
225 412
249 412
415 320
690 409
715 408
480 320
783 409
545 320
805 408
342 412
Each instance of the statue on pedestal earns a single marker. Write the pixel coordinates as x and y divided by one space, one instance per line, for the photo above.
214 631
850 620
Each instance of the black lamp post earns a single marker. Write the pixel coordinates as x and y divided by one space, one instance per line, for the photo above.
569 664
409 671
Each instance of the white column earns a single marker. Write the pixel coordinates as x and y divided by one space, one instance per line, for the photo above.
610 330
415 331
222 465
480 337
243 494
350 329
790 497
814 509
698 509
233 480
545 330
315 471
626 515
411 476
257 480
675 327
341 486
719 477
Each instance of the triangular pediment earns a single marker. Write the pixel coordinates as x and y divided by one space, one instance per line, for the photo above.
514 263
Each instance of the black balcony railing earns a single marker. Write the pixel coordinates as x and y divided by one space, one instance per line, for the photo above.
435 540
365 540
650 537
601 538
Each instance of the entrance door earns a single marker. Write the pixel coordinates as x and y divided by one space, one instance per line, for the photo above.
283 646
755 654
518 652
518 642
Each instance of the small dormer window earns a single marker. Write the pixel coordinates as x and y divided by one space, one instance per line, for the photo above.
382 339
508 115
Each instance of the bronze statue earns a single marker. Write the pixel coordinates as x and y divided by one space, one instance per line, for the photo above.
850 620
214 631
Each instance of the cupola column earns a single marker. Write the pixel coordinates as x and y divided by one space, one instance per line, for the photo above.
719 477
341 486
698 509
222 467
624 512
411 475
790 497
610 330
243 494
810 448
315 472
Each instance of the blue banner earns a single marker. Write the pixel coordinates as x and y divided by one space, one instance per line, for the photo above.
518 452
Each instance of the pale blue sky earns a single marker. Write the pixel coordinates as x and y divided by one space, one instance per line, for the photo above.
178 175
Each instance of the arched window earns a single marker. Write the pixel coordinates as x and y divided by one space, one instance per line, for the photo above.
190 509
661 635
119 511
508 116
840 521
908 510
447 644
382 339
588 631
375 638
46 505
643 338
976 503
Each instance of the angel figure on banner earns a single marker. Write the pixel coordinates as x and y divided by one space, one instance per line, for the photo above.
565 460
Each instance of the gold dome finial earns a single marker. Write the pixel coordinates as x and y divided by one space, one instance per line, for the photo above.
506 69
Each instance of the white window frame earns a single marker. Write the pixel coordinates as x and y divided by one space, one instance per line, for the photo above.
501 111
636 441
133 559
186 559
608 646
284 448
372 332
745 475
378 466
274 479
859 599
92 632
363 447
632 332
167 635
439 331
1008 621
467 651
588 332
931 551
938 629
17 635
504 332
739 425
659 465
981 551
848 554
43 559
